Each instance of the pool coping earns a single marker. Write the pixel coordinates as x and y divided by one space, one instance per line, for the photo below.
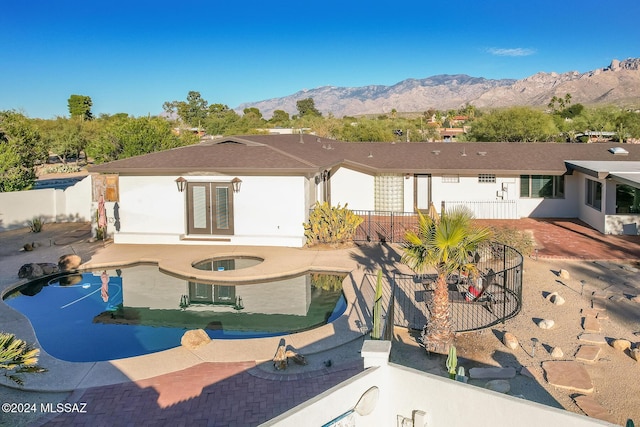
353 324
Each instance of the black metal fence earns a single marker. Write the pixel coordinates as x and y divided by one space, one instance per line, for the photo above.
384 227
500 297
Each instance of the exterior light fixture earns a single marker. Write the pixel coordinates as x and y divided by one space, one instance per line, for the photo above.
236 183
181 183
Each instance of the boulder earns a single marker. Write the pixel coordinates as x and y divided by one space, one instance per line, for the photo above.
564 274
510 340
69 262
636 299
556 299
546 324
49 268
28 247
194 339
30 271
621 344
635 354
557 352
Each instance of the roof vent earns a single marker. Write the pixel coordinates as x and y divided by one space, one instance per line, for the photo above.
618 151
436 152
482 153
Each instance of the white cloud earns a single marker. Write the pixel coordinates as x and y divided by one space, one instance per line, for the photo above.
518 51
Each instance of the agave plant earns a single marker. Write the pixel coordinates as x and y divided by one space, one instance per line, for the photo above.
17 357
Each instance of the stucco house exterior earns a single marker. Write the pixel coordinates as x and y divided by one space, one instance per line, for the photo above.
259 189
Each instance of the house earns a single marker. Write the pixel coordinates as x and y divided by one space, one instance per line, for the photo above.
259 189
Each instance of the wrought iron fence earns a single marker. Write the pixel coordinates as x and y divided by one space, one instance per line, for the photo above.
500 299
384 227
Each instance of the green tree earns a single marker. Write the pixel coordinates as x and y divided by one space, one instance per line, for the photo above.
192 112
221 120
307 107
80 106
280 118
443 244
21 149
17 357
129 136
516 124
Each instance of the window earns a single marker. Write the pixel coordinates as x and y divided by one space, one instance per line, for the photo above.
594 194
450 179
487 178
545 186
627 199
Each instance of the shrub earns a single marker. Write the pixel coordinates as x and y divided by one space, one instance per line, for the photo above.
17 357
329 224
522 241
35 225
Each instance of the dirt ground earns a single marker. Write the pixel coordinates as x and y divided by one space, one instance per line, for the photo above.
614 374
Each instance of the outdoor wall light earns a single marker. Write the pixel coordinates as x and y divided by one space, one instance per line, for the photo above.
236 183
181 183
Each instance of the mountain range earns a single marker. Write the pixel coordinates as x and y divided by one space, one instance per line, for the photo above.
618 84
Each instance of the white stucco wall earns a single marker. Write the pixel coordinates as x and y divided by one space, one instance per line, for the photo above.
352 187
592 216
444 402
72 204
267 211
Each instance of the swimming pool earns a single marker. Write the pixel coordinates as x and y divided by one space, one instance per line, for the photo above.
117 313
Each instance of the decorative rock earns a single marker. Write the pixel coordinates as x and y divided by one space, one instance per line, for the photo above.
48 268
557 352
556 299
30 271
564 274
194 338
501 386
621 344
69 262
510 340
635 354
546 324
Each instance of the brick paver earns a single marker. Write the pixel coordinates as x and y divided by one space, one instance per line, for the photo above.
209 394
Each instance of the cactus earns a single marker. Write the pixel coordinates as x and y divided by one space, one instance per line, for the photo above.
376 333
329 224
452 362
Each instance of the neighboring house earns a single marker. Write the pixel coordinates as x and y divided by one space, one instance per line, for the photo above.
258 189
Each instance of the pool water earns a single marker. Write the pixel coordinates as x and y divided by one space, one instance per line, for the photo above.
226 264
94 316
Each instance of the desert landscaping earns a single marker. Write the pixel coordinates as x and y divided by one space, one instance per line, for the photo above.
585 316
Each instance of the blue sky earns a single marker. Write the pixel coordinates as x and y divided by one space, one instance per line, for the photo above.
132 56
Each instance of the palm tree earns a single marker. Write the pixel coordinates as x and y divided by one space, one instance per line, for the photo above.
444 244
17 356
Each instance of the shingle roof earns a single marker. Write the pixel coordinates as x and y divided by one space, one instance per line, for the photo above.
293 154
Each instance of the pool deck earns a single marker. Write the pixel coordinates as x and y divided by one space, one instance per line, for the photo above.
278 262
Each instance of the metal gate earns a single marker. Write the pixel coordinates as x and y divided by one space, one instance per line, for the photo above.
501 266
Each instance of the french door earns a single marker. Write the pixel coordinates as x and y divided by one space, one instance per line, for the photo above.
210 208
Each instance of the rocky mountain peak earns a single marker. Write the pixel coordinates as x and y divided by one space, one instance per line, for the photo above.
618 83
